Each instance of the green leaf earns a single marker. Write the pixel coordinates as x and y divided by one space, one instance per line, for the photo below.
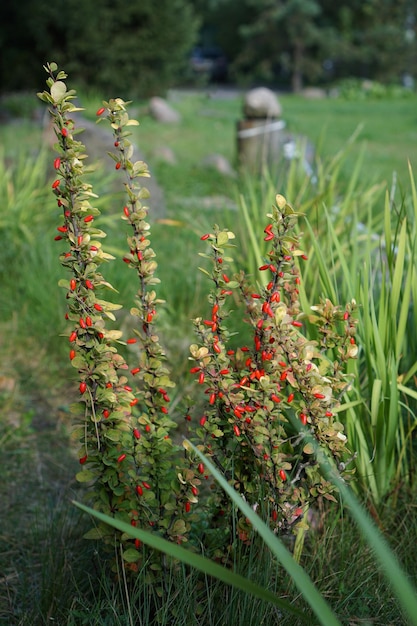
95 533
58 90
113 435
85 476
131 555
222 238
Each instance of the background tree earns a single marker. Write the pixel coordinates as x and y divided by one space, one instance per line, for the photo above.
296 41
284 37
141 47
137 48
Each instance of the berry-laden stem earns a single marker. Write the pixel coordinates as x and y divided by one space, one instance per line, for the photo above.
167 505
105 397
261 397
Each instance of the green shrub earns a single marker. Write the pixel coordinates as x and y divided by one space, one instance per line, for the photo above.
253 397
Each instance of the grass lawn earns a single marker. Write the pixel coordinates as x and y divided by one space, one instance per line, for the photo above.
48 574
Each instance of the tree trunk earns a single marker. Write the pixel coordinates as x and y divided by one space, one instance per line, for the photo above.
297 66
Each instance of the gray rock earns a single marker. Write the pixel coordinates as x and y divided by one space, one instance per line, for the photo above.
314 93
261 103
161 111
165 154
219 163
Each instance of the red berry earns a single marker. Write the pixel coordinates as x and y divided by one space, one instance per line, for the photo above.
72 354
236 430
118 165
194 491
282 475
57 163
106 413
205 237
135 370
203 420
200 468
88 218
56 184
139 490
121 458
64 132
73 336
98 307
83 459
290 398
89 284
146 485
136 433
100 111
83 387
187 507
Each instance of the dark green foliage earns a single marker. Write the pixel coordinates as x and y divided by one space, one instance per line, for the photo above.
138 48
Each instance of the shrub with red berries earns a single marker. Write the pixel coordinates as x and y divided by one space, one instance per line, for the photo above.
263 401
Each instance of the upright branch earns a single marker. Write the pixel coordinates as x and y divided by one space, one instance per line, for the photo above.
264 398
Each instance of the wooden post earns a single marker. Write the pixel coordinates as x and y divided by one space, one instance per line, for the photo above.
259 143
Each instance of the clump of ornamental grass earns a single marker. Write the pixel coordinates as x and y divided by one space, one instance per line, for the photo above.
255 408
